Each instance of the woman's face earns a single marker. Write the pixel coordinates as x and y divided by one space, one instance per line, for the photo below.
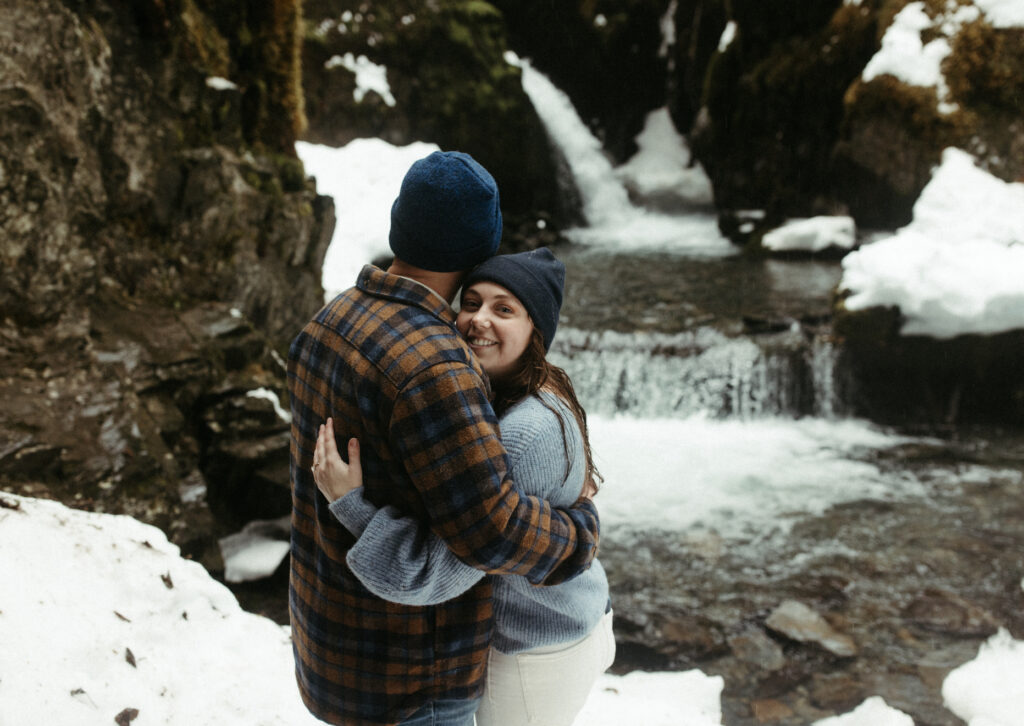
496 326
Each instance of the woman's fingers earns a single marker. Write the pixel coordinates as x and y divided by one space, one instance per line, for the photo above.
334 478
355 464
330 445
318 450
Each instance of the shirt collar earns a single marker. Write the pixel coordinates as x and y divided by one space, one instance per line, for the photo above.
374 281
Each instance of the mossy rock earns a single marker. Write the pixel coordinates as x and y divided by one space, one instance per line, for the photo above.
265 42
773 106
892 137
985 74
452 86
698 25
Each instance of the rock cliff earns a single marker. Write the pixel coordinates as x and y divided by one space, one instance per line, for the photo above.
160 245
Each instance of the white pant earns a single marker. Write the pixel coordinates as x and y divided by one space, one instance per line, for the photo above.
545 686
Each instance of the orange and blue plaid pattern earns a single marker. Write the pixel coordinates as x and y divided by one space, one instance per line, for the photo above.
384 360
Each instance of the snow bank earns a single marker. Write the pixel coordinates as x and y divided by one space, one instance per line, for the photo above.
664 163
958 267
364 177
989 691
99 613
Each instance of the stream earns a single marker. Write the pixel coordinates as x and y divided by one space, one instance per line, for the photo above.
735 481
739 489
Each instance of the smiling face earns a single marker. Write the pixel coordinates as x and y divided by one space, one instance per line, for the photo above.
496 326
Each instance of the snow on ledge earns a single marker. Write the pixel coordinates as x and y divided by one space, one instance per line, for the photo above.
812 235
958 267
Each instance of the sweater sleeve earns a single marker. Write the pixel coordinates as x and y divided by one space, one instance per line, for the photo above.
444 433
396 559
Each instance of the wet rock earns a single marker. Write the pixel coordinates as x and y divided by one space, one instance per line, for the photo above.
837 692
754 647
969 379
122 422
695 637
949 613
797 621
161 245
770 710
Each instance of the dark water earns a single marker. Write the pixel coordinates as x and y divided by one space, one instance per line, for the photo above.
668 293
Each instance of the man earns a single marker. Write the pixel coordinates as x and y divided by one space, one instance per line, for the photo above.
385 361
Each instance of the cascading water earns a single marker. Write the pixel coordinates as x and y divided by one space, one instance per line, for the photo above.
605 200
700 372
699 369
612 217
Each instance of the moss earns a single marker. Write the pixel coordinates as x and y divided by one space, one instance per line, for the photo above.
986 67
915 108
291 172
203 42
263 39
480 10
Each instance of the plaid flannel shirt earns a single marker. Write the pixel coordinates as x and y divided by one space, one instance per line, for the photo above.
384 359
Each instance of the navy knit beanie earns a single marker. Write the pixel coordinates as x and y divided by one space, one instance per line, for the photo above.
447 216
536 277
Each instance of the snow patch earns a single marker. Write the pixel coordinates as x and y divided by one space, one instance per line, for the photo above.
957 267
812 235
369 76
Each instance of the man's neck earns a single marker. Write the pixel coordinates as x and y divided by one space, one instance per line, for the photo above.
445 284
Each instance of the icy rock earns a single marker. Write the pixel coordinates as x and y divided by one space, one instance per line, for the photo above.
797 621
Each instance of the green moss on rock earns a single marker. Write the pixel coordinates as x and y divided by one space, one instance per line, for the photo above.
986 68
264 41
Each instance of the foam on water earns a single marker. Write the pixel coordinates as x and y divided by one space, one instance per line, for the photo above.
738 478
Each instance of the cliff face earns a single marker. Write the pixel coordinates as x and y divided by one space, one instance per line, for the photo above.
773 99
448 82
160 245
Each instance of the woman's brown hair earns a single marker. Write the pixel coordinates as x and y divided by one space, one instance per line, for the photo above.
535 373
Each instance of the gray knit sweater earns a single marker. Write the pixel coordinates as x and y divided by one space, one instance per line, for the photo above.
394 561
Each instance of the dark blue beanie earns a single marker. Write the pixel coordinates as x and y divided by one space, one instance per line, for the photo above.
447 216
536 277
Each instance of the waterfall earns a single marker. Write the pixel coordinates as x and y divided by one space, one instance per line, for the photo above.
613 219
700 372
605 200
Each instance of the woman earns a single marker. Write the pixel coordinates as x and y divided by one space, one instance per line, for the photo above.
550 643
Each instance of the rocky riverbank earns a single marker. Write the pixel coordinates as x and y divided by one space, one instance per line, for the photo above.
870 598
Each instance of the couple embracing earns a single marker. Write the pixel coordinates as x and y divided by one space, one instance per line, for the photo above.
446 572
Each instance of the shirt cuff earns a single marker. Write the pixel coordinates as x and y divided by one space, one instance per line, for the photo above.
353 511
